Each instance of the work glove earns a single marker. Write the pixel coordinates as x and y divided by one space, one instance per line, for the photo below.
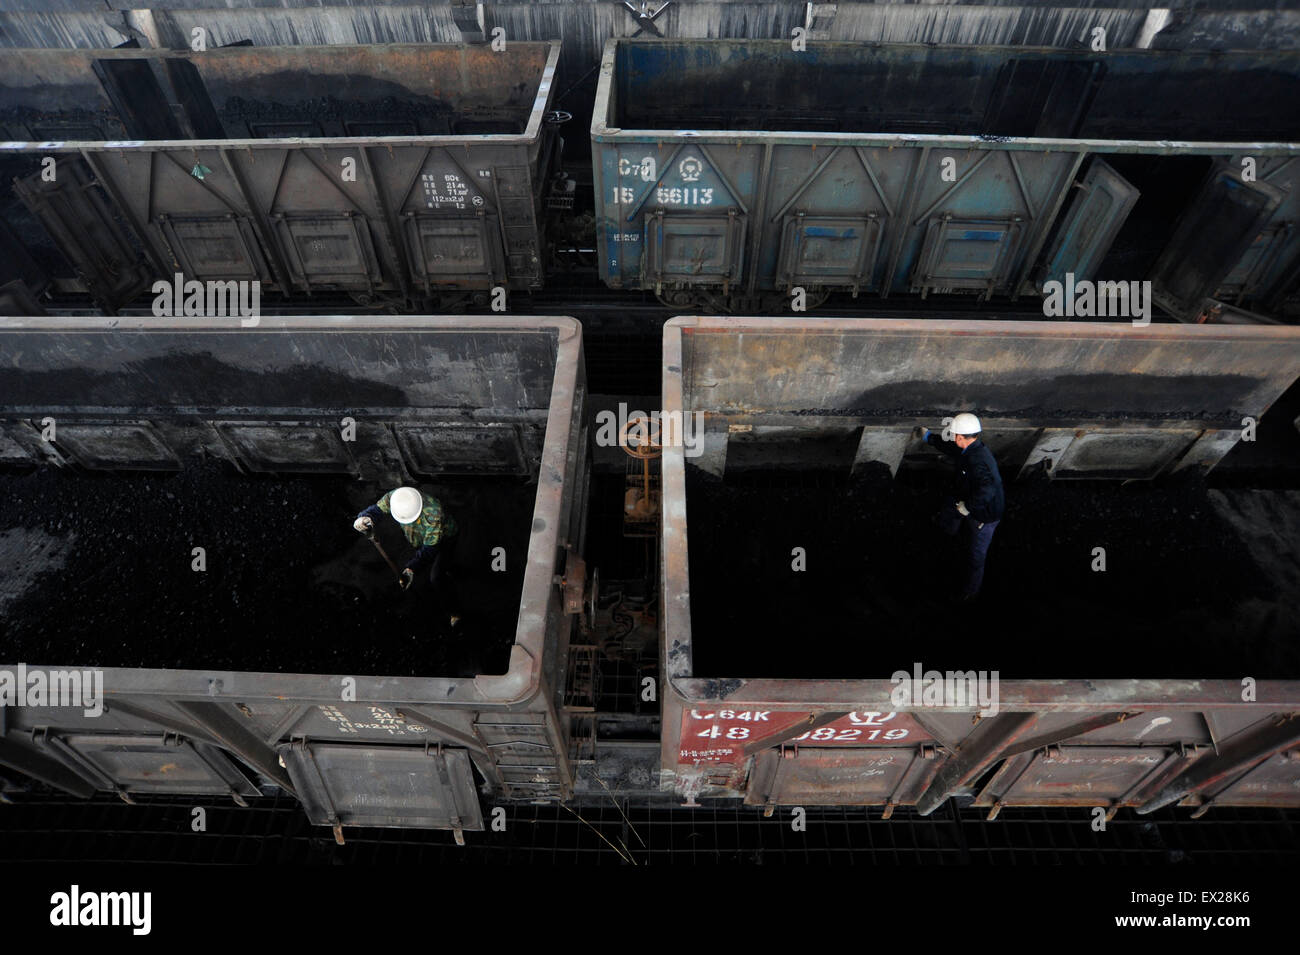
961 509
364 525
925 434
408 575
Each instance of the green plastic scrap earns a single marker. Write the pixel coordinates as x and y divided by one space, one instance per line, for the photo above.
199 170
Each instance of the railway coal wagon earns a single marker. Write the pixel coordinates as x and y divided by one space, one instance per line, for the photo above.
389 173
348 705
728 173
812 650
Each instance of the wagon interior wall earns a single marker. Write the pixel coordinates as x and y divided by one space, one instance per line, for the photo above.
397 90
765 85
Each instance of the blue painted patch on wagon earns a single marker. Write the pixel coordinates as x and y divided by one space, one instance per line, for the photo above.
822 232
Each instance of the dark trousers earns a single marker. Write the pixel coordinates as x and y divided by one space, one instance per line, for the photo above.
441 578
977 540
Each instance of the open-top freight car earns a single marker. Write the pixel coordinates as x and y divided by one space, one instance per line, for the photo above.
401 172
801 576
493 408
730 172
498 406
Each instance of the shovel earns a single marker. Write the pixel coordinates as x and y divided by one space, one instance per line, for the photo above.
374 539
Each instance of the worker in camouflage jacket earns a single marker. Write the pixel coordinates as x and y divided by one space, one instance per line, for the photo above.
427 527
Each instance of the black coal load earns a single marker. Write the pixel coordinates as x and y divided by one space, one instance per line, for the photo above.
1181 596
289 586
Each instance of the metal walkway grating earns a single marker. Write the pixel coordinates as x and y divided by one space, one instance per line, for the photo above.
274 830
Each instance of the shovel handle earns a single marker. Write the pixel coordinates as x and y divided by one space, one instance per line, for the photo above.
383 553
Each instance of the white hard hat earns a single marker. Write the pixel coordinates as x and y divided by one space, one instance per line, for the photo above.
406 505
966 423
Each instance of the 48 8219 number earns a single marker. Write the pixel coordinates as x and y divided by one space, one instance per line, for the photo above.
821 735
828 733
860 727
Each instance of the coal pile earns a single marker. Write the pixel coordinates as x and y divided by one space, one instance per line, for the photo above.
289 586
1196 583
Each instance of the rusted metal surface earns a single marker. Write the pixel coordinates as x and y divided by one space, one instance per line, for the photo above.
1052 743
1234 760
1075 399
1108 743
986 742
378 171
191 731
888 776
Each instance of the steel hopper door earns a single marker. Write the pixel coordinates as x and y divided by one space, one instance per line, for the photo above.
404 787
1216 231
80 221
694 223
700 250
1087 231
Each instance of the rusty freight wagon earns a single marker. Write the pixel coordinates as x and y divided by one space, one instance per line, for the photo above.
803 586
384 173
346 708
730 172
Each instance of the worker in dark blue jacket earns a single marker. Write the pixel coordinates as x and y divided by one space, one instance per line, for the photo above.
978 502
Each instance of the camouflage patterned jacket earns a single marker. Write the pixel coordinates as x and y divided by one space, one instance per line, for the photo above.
432 527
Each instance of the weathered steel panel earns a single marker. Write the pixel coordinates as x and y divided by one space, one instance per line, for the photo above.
1075 775
1123 454
1274 782
344 784
154 764
121 444
81 222
464 449
950 176
1086 231
1063 375
370 170
287 446
819 777
1220 228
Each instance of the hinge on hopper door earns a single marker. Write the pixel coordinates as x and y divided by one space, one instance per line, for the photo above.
787 752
